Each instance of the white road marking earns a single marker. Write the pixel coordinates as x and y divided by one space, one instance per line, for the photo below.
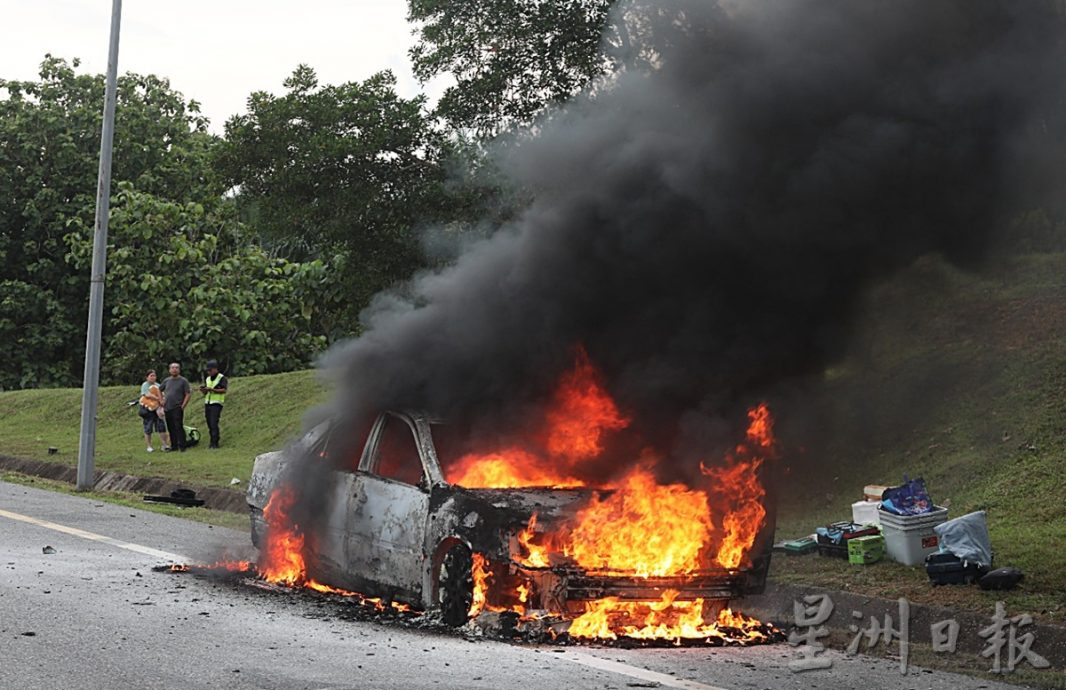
570 655
74 531
644 674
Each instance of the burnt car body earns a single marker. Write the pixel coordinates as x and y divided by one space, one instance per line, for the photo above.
396 529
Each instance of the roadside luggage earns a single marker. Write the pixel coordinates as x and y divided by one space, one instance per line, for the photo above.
1001 578
949 569
833 539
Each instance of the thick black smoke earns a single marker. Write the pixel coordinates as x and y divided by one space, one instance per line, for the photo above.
705 226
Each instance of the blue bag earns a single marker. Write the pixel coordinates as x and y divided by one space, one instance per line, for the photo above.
909 499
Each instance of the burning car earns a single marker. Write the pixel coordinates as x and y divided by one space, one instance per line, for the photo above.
395 527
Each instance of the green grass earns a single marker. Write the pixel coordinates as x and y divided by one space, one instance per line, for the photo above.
961 380
262 413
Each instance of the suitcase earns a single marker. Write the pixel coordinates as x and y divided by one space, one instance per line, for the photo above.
949 569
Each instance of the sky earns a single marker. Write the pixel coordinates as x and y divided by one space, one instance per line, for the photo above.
216 51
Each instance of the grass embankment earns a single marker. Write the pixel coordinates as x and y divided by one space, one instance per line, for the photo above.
261 413
961 380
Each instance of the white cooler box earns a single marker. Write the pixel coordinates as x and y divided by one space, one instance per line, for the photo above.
910 538
866 513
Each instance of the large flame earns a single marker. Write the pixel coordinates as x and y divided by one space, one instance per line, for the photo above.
666 619
643 528
737 489
507 469
281 559
580 414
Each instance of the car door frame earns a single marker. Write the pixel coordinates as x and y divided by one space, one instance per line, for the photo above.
388 518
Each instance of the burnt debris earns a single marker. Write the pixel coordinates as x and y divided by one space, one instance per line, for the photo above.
493 625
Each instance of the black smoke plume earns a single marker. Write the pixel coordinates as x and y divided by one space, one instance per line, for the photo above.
704 226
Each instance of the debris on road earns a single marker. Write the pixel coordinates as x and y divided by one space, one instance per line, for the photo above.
181 497
494 625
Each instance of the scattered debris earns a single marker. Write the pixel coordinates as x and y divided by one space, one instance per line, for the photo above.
181 497
234 481
48 550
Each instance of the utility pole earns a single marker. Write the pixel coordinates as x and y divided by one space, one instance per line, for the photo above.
91 383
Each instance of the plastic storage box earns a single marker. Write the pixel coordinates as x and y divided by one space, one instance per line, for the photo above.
910 538
863 550
866 512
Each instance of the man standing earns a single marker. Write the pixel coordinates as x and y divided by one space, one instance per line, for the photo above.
176 391
214 390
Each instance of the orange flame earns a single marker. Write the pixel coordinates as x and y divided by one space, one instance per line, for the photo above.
581 413
533 555
281 559
507 469
666 619
761 426
644 528
738 489
482 575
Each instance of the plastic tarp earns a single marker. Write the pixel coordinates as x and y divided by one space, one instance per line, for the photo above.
967 538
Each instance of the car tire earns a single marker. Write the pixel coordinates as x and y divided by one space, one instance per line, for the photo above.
455 585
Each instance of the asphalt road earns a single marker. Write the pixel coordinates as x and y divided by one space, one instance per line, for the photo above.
93 614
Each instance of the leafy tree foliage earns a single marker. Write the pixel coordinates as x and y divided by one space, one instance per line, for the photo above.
49 148
184 280
184 284
327 168
512 58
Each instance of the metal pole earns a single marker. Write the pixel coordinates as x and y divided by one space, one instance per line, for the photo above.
91 382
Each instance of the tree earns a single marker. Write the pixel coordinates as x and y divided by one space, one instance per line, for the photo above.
513 58
350 168
49 148
183 283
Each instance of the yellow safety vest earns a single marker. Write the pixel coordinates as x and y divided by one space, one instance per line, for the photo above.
209 397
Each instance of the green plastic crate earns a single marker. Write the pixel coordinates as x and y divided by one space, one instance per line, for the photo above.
863 550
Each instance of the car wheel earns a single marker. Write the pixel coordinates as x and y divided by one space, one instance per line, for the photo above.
455 585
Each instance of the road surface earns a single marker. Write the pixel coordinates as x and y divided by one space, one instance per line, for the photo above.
93 614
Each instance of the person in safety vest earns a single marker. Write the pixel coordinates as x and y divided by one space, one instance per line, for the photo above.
214 390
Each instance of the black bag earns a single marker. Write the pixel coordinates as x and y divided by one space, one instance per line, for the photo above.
1001 578
144 411
949 569
192 436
